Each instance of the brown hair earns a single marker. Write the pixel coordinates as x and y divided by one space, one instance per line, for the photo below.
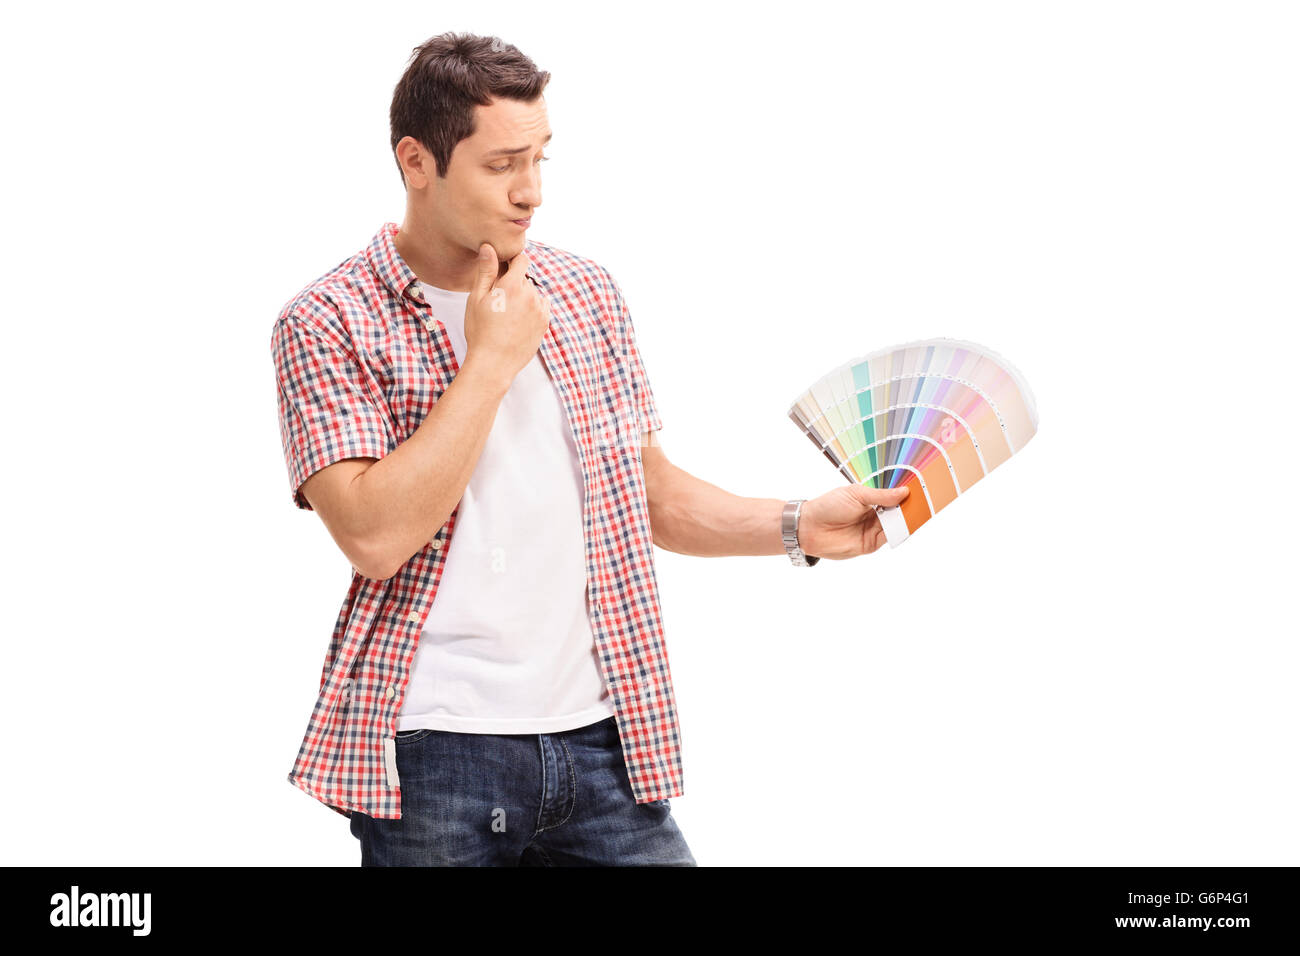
446 77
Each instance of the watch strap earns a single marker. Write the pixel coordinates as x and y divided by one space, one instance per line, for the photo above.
790 534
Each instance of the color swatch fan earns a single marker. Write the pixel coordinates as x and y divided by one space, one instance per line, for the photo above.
935 415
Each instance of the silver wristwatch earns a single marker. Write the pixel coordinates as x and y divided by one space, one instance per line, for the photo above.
790 534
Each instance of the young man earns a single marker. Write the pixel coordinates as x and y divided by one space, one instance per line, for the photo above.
467 411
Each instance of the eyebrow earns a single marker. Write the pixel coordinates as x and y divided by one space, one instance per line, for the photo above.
517 149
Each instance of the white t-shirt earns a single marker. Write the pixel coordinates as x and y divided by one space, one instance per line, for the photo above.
507 647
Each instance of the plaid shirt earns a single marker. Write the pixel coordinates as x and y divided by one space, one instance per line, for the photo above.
359 362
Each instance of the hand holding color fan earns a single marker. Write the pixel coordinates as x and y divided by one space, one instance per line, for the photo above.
935 415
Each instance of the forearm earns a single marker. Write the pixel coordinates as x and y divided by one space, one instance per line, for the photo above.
402 500
691 516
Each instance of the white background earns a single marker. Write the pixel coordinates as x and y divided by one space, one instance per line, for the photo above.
1090 661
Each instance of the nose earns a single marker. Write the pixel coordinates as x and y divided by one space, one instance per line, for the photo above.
530 194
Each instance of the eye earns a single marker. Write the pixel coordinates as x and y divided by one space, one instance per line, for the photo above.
502 169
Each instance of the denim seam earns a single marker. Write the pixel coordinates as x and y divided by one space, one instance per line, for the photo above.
573 791
573 783
413 736
541 803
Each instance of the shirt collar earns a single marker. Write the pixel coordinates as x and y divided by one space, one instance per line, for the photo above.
393 270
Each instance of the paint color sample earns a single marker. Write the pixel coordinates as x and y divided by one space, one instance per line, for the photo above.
936 415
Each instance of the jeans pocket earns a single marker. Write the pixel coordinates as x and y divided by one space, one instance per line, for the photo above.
407 736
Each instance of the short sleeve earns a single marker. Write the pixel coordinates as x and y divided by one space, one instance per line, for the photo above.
647 410
328 409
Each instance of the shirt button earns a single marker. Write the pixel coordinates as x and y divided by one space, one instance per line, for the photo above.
392 692
437 543
413 617
429 325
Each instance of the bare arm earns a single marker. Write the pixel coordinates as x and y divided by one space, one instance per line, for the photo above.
691 516
399 503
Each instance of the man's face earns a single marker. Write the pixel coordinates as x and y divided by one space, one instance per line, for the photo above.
494 179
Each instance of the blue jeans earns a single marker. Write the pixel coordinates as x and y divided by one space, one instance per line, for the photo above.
557 799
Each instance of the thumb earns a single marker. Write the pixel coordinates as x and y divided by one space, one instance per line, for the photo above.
884 497
488 267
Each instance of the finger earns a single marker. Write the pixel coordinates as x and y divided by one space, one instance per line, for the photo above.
886 497
518 269
488 267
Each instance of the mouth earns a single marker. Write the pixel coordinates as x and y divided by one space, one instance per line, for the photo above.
523 223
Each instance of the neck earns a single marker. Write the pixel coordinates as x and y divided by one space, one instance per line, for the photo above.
437 261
